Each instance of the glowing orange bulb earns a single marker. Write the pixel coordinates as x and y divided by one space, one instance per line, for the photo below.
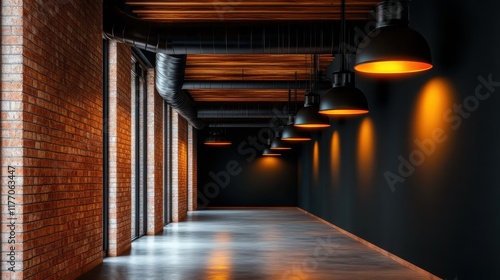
217 143
296 139
344 112
393 67
312 125
281 148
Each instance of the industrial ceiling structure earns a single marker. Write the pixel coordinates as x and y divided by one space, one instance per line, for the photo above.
241 58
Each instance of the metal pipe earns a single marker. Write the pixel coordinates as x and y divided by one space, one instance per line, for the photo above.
252 84
240 125
169 80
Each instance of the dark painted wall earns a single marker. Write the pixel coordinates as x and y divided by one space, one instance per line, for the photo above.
441 210
239 176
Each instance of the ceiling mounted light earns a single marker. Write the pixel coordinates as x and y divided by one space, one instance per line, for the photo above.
268 152
292 133
344 98
217 139
393 47
308 117
277 144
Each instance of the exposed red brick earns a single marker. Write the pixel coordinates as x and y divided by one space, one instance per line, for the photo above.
155 157
52 63
192 169
120 146
179 167
51 110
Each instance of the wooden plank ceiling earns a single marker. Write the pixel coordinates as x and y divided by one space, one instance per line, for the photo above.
248 67
248 10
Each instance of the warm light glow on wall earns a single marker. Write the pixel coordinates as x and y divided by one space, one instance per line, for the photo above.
219 262
433 122
366 150
315 162
335 158
267 163
267 169
433 101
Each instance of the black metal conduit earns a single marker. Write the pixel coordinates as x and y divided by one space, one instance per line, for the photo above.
243 110
269 37
241 114
261 124
169 80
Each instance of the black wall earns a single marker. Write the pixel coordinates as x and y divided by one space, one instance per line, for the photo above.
443 212
239 176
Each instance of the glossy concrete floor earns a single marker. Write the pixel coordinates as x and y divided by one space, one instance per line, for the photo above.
250 244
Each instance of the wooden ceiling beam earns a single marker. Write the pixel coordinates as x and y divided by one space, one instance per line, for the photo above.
336 3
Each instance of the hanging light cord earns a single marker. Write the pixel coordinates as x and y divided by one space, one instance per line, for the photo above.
343 43
295 105
289 101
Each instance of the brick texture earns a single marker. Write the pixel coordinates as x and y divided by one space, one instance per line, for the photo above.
179 167
155 157
192 169
58 154
12 137
119 148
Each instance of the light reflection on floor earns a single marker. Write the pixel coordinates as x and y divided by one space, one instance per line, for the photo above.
250 244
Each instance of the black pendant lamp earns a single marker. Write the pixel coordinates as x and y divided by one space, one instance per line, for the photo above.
344 98
217 139
308 117
290 132
268 152
277 144
393 47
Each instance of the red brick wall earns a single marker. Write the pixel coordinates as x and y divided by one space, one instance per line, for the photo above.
179 167
155 157
12 134
120 146
60 173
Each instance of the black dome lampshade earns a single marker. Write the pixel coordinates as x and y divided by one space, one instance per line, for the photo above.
308 117
277 143
292 133
344 98
217 139
393 47
268 152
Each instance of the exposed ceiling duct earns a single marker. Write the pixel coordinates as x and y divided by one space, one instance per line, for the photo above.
283 37
169 79
171 42
262 124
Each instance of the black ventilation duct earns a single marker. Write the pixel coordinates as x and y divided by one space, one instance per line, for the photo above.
278 37
169 79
